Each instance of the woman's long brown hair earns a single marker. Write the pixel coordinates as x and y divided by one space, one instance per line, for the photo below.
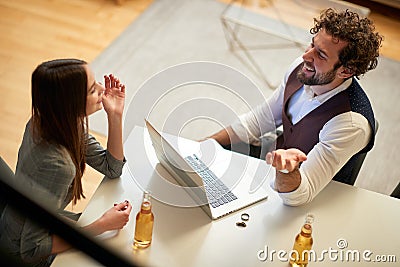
59 91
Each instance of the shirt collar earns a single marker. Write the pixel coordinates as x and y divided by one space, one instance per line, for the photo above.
324 97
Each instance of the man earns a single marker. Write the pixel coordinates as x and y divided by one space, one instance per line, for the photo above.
326 116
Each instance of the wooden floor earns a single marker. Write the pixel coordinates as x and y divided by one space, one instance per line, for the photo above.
33 31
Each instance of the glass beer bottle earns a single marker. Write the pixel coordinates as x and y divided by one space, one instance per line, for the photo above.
302 244
144 224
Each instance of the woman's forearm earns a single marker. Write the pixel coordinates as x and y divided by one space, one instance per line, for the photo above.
60 245
114 141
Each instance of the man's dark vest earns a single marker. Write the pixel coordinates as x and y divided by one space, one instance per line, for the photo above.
304 135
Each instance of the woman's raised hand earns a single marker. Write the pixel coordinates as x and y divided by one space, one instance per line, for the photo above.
114 95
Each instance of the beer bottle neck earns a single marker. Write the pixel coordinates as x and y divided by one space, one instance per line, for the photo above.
146 207
306 230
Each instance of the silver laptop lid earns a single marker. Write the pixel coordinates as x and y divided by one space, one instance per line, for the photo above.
176 165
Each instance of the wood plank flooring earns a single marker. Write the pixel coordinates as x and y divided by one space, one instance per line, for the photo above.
33 31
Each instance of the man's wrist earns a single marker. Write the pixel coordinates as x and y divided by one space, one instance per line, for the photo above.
286 171
287 182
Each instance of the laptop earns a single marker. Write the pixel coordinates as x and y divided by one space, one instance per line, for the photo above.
218 180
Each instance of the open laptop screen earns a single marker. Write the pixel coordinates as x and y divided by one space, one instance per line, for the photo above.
176 165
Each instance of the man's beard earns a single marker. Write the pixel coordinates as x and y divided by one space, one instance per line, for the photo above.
317 79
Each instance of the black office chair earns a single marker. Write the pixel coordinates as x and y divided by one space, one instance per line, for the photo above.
360 160
396 192
5 172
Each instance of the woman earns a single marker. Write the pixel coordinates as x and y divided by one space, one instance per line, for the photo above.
55 148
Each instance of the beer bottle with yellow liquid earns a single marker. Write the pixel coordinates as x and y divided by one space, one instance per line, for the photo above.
302 244
144 224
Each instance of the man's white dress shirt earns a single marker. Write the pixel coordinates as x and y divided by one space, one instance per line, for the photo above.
339 139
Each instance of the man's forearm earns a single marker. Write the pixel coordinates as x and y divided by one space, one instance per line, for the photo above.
226 136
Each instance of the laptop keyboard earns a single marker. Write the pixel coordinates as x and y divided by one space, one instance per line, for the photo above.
217 192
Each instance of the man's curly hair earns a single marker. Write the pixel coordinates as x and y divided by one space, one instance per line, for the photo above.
362 52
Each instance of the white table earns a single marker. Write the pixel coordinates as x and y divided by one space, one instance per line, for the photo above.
367 221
